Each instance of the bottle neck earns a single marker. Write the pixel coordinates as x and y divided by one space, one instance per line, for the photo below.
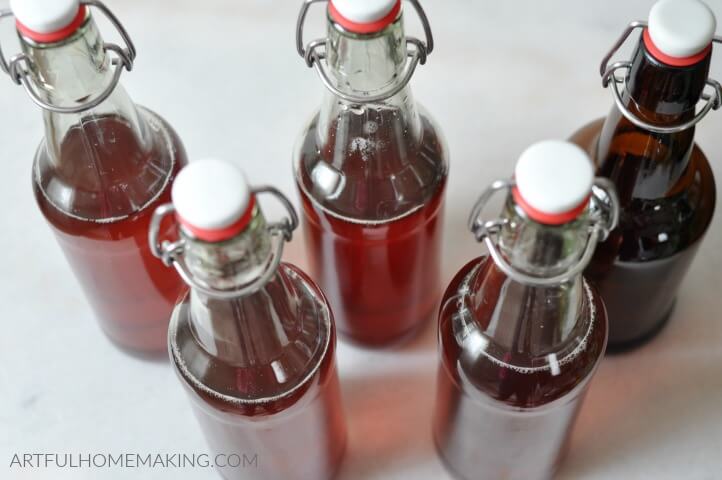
229 329
663 94
367 64
541 250
531 321
233 263
68 73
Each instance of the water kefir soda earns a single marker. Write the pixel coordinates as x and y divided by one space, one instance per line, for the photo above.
371 175
254 341
100 172
665 183
518 350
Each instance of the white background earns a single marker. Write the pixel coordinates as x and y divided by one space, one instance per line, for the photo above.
226 75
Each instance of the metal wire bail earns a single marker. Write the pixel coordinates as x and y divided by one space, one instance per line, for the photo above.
608 72
172 253
313 55
604 218
20 65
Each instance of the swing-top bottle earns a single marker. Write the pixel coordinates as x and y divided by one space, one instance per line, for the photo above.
371 167
103 167
646 146
253 342
521 332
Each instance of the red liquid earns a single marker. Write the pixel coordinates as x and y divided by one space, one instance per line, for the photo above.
383 278
110 191
293 423
375 249
509 419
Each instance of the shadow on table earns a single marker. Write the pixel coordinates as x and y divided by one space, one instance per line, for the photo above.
651 400
389 421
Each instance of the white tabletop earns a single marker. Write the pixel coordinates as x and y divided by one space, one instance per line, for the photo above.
225 73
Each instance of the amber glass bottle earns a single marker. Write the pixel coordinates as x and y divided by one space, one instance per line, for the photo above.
665 184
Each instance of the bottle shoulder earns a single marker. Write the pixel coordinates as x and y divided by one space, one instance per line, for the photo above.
106 169
267 351
493 356
667 194
587 136
371 166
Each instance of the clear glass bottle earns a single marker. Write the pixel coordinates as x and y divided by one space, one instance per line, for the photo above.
254 342
371 168
103 167
666 186
521 333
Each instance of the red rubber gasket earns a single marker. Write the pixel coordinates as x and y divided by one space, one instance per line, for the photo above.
673 61
56 36
221 234
372 27
547 218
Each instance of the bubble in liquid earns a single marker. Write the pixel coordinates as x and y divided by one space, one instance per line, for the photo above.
371 127
364 146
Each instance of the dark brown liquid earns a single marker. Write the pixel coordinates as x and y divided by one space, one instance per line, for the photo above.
99 198
270 387
640 267
509 415
375 244
666 192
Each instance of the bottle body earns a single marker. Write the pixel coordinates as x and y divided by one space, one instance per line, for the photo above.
662 223
98 197
371 168
98 175
665 185
514 371
261 373
373 218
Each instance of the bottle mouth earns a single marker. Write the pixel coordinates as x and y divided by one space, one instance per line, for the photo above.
216 235
657 53
545 218
365 27
57 35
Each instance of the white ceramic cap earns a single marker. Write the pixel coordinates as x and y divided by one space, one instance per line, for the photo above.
681 28
364 11
45 16
211 195
554 177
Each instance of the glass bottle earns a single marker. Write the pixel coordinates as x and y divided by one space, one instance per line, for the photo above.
371 168
103 167
253 342
521 333
666 187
